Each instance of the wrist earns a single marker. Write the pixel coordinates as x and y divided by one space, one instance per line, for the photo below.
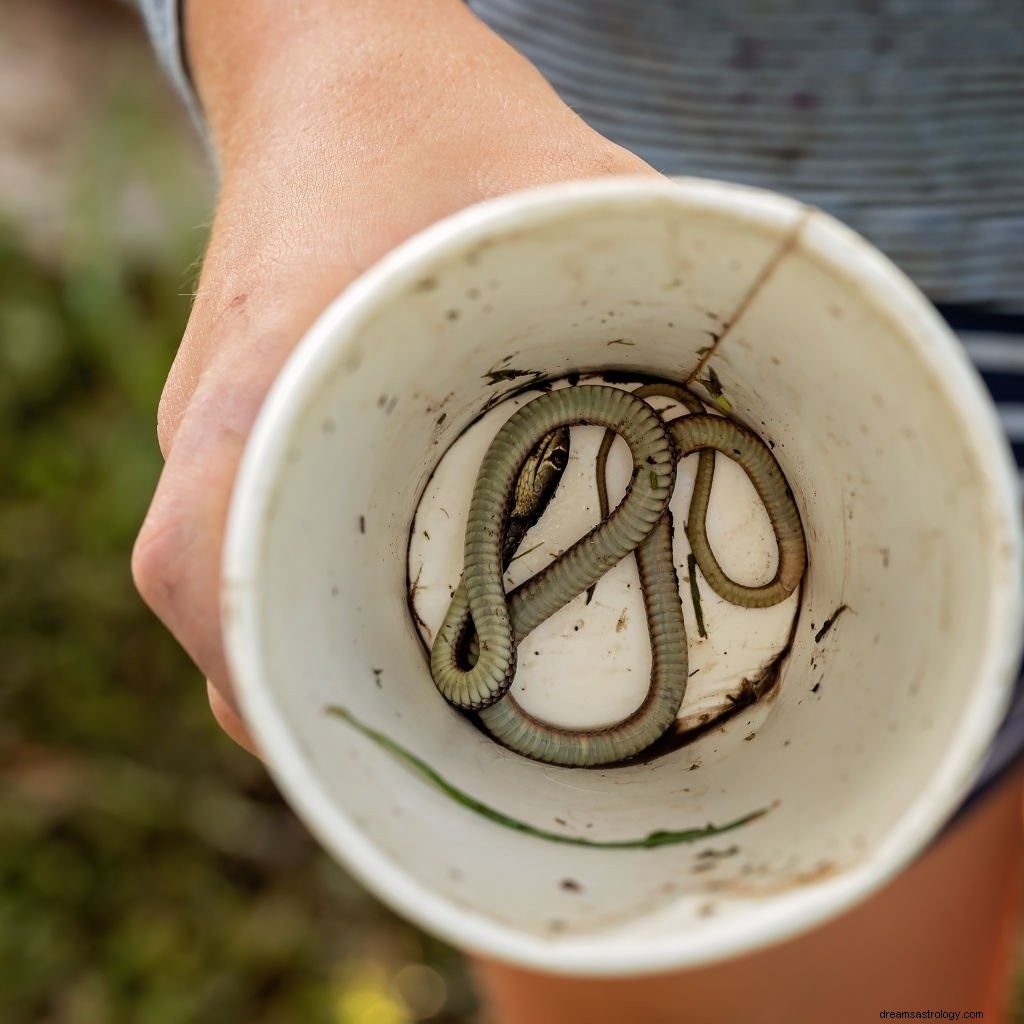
268 73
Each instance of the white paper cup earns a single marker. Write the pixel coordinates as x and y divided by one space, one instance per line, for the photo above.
875 731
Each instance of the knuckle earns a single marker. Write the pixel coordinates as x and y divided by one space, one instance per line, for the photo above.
155 560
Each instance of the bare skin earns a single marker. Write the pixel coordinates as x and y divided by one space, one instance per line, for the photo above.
340 129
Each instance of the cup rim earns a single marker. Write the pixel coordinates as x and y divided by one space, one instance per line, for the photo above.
266 450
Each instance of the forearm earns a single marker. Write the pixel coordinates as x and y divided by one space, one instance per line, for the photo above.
416 109
370 73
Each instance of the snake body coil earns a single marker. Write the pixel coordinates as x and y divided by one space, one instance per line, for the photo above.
473 658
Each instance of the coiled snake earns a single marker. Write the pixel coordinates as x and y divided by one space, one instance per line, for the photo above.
473 657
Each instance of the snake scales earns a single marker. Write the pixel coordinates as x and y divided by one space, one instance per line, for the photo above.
473 657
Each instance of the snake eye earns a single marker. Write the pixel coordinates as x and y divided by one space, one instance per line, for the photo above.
558 458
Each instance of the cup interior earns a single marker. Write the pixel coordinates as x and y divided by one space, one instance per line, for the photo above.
906 641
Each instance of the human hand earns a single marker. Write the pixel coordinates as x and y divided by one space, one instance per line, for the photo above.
340 130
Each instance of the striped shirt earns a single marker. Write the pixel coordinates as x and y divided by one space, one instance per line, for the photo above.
903 118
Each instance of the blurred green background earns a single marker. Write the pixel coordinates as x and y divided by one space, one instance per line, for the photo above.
149 872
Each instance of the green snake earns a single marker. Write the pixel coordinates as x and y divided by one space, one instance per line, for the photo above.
473 657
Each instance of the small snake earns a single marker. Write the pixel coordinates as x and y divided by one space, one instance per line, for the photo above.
473 658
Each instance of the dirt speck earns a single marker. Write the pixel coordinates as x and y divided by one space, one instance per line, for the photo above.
829 623
712 854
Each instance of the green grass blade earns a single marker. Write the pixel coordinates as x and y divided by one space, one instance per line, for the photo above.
662 837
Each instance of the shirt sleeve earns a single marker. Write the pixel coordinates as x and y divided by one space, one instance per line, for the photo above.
163 22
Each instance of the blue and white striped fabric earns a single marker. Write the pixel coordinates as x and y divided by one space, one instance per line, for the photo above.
903 118
996 347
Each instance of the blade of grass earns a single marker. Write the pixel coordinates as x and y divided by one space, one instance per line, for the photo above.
661 837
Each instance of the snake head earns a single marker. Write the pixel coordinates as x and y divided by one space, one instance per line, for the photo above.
538 479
